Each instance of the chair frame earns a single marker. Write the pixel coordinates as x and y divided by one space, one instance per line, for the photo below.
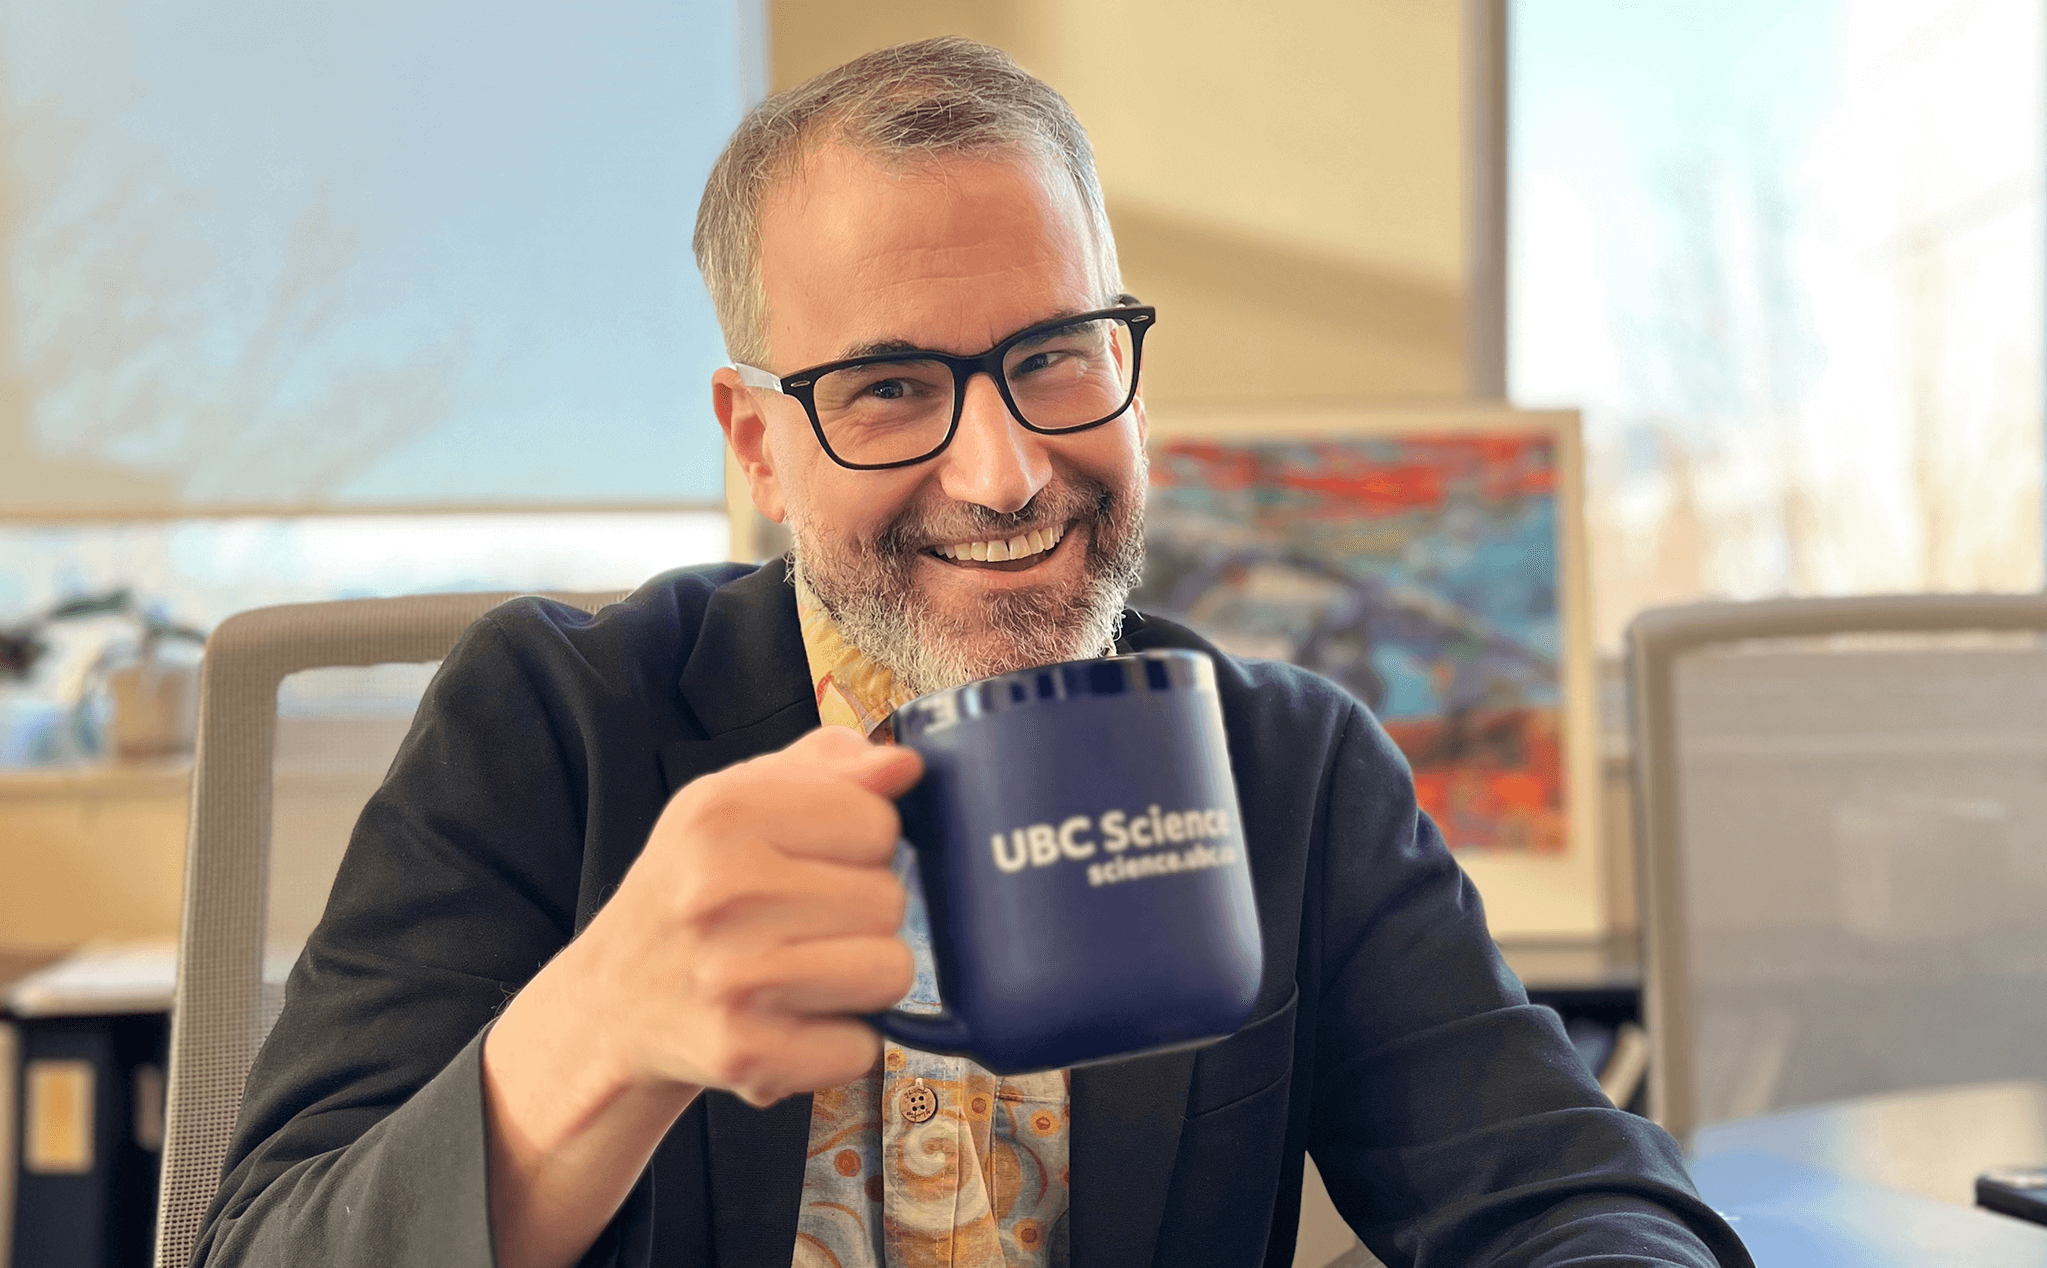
1656 640
227 860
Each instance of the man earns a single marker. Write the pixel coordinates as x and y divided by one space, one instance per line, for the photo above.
634 828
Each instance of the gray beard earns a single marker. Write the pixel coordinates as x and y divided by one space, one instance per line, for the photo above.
868 591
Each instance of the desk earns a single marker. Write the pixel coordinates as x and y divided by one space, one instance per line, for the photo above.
1929 1143
1791 1216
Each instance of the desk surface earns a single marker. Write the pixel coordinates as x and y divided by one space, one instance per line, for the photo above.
1791 1216
1929 1143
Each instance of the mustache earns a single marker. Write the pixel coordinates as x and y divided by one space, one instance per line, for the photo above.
918 528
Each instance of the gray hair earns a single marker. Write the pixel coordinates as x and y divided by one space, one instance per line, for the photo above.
939 98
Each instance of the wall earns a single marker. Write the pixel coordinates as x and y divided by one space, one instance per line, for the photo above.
1285 181
91 853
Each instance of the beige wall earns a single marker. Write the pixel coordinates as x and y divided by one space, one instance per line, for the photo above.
94 853
1284 179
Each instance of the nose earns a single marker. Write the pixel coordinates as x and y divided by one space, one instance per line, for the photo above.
992 461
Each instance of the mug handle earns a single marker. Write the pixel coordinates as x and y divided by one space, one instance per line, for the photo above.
926 1032
942 1031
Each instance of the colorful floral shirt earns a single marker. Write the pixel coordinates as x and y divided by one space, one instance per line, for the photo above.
926 1161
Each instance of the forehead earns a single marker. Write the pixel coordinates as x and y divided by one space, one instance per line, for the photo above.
951 254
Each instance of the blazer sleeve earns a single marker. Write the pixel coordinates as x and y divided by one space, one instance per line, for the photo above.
361 1140
1452 1120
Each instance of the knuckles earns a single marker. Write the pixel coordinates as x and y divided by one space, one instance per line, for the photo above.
729 1061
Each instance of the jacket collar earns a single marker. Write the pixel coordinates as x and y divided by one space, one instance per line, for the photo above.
746 681
747 663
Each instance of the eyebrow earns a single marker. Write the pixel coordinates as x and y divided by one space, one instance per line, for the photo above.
884 347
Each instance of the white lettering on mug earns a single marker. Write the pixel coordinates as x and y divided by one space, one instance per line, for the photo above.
1042 844
1194 858
1011 862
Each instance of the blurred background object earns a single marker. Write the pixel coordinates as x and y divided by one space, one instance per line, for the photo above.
129 690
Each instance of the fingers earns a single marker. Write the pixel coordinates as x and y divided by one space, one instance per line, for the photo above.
794 900
833 975
761 913
808 1054
804 813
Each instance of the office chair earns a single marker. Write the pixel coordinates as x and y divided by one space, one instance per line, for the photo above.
1842 817
302 708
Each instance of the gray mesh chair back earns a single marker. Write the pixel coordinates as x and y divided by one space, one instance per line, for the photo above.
1843 826
302 708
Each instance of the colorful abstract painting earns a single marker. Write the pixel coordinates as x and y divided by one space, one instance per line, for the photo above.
1419 571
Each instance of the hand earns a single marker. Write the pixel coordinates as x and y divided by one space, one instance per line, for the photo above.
761 914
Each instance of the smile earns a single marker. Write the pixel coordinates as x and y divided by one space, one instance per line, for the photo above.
1018 552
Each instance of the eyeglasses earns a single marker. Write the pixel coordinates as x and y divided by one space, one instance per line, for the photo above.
901 408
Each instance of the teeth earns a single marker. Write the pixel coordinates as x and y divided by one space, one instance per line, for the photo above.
1037 541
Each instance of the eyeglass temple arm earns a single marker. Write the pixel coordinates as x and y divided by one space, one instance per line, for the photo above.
754 376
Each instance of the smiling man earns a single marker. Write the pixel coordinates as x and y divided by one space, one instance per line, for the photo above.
664 834
1018 548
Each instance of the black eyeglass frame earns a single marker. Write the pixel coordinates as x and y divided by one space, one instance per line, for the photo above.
1136 318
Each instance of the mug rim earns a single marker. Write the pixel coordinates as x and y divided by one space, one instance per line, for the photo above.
1185 669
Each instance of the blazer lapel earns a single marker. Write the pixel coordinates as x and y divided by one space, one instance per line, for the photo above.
1126 1133
747 680
685 760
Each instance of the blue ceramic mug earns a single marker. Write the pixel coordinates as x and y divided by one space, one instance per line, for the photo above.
1081 860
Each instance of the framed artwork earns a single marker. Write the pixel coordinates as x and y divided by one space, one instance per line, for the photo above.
1431 562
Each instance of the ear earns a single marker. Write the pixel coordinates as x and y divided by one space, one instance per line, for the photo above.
742 417
1137 406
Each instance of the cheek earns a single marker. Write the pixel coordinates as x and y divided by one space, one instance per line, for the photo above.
1112 454
852 505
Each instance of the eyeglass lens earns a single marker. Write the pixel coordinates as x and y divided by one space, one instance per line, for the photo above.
897 411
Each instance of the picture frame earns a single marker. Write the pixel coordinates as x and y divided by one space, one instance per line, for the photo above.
1295 596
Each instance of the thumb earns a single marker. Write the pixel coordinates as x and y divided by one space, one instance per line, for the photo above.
890 770
885 769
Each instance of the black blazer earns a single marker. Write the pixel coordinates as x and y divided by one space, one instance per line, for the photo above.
1451 1120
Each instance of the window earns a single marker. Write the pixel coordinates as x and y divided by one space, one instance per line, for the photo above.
1786 255
267 266
268 253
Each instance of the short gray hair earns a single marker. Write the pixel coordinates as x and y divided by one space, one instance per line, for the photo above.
912 103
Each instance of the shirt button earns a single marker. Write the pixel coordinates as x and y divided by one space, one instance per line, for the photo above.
919 1103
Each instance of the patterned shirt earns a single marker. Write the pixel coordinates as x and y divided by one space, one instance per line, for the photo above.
925 1161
